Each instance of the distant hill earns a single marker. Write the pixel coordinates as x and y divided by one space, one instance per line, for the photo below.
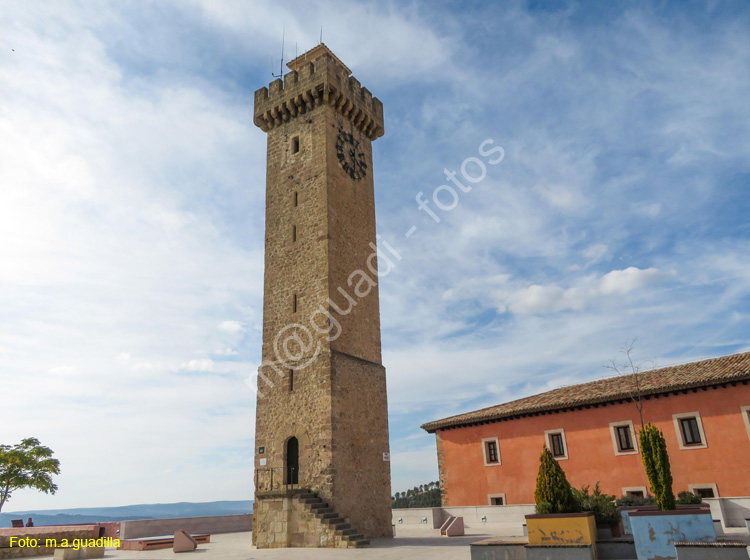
123 513
426 495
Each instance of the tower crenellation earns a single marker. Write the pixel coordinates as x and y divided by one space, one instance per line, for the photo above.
322 81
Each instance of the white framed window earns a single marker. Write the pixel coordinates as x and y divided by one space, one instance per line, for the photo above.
623 437
491 450
704 490
556 443
746 417
639 491
689 428
496 500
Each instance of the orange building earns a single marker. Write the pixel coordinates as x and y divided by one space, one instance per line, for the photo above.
491 456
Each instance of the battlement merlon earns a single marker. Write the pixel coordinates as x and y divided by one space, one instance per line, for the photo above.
322 80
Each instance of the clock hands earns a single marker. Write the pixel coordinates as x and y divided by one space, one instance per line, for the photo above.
350 157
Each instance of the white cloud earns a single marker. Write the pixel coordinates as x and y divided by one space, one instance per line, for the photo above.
552 298
63 370
595 252
625 281
198 365
231 327
120 201
541 299
407 32
649 210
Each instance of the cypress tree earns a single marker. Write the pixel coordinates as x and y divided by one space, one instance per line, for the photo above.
553 492
656 463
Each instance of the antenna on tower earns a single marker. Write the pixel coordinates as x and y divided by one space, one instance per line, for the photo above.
295 56
321 35
281 63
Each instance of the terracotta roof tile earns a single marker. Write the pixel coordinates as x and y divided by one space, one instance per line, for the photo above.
685 376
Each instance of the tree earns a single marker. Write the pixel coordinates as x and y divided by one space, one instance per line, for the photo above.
656 463
629 367
422 496
553 492
26 465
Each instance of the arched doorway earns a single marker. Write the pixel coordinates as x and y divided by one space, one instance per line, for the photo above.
292 461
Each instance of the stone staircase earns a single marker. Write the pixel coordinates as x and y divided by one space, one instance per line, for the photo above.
344 535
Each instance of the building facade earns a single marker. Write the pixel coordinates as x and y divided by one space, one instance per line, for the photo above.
322 415
491 456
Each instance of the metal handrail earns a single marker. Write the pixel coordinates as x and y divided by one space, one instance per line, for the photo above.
271 485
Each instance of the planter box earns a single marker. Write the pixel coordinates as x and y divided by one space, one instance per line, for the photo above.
562 529
626 510
656 532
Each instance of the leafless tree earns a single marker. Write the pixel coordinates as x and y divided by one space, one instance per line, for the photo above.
629 367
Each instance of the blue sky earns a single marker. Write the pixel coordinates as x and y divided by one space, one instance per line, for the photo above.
131 216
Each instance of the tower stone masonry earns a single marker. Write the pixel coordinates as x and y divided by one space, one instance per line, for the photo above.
322 470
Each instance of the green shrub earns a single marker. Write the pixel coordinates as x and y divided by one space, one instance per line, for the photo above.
685 497
603 505
656 462
630 500
553 492
544 507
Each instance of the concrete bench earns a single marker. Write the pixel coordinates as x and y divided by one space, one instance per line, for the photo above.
711 550
82 553
155 543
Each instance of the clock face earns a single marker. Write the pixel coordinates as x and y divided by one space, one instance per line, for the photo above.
351 157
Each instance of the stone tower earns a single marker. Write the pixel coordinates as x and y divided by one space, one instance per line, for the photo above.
322 470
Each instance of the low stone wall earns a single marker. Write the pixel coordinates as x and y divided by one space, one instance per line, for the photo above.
498 520
42 534
409 517
209 525
497 550
570 552
711 551
732 511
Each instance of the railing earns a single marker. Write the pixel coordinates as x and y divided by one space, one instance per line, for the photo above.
265 479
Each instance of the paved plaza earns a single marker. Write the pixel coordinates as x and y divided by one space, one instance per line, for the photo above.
412 544
416 544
